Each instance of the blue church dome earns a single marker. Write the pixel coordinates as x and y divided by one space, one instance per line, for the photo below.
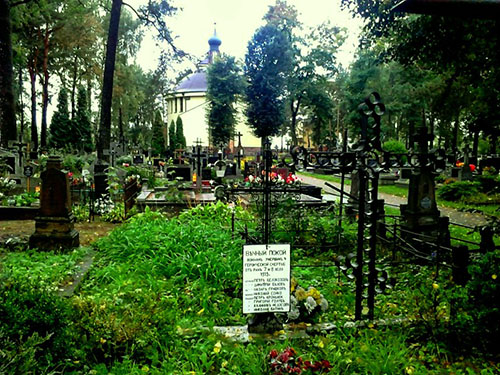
214 42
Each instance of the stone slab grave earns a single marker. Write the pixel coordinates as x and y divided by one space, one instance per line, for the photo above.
54 225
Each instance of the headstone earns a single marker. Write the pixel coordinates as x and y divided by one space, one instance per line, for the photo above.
206 174
54 225
405 173
421 214
182 171
230 170
138 159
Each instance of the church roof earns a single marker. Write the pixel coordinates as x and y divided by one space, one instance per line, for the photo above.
196 82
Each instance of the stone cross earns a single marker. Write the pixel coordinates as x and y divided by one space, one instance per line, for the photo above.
18 147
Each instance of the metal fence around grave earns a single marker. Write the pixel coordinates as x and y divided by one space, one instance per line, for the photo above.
365 266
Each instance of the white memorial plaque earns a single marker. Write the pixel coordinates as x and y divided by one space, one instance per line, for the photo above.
266 278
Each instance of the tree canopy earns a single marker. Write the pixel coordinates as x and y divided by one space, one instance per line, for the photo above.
267 62
225 83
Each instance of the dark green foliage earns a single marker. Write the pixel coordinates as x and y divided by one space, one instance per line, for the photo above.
395 147
267 62
478 308
457 190
82 138
172 140
488 183
158 139
224 86
179 134
35 319
61 134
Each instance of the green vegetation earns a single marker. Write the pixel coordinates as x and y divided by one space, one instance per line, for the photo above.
158 285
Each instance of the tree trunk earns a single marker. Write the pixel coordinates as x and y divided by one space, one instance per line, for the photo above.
34 130
73 87
431 130
107 85
293 125
21 105
475 142
454 141
8 129
45 88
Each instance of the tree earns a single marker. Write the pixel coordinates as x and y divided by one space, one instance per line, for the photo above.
81 122
151 14
104 139
158 139
172 140
463 51
8 130
313 57
179 133
267 61
225 84
61 134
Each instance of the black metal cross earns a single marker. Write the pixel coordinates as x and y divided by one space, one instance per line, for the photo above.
198 155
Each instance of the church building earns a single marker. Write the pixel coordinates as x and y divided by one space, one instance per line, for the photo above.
188 100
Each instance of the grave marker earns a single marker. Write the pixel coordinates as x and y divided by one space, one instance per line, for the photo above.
266 278
54 225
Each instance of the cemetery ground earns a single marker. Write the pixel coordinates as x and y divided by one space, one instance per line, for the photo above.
158 286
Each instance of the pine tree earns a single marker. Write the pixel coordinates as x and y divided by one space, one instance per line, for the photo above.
179 133
158 141
172 140
82 123
60 132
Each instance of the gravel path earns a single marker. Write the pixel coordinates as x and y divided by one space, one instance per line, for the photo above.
457 217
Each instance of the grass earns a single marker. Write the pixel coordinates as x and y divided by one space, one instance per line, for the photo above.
157 285
401 191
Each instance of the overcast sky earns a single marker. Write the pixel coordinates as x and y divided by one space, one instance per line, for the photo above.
237 21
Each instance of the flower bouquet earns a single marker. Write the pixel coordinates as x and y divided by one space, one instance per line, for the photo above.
305 304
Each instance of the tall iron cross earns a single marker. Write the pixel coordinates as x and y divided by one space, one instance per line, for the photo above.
198 155
198 142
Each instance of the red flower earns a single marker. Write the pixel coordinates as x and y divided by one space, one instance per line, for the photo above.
284 357
70 174
273 353
472 167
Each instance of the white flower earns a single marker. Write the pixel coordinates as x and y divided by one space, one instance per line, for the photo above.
310 304
323 304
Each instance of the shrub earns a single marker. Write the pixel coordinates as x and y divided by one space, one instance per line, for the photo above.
33 317
395 147
457 190
489 183
477 310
